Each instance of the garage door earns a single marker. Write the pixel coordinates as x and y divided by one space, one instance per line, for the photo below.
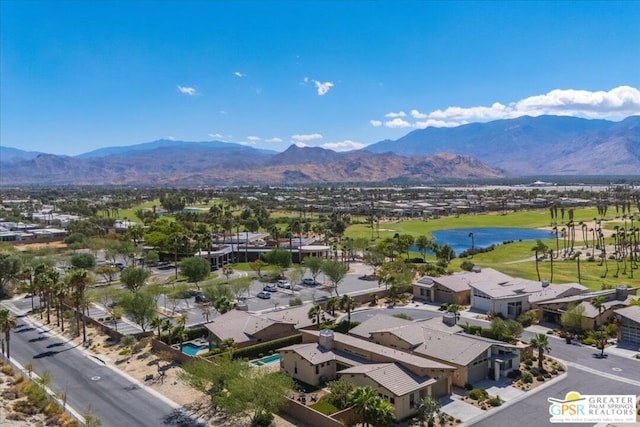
477 373
630 333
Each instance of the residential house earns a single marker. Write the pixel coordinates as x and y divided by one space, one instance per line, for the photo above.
517 296
474 358
592 317
402 378
247 329
455 288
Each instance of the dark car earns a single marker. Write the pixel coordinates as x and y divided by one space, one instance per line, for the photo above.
201 298
309 281
264 295
270 287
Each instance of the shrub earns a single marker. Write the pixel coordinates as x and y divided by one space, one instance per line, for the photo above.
528 362
478 394
263 419
515 374
295 301
495 401
526 377
540 378
588 341
468 386
444 307
7 370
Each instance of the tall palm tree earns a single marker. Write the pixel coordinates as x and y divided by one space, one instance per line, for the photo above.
7 323
347 304
78 281
540 342
539 248
597 302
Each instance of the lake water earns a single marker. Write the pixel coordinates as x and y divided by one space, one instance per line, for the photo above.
460 241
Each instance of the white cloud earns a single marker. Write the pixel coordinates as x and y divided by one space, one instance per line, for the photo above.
239 74
616 103
187 90
346 145
273 140
418 115
301 144
323 88
437 124
375 123
393 115
171 138
397 123
306 138
254 138
215 136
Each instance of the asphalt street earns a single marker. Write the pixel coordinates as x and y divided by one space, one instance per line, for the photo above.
89 384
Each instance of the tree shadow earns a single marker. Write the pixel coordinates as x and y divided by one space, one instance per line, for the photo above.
179 418
45 354
38 339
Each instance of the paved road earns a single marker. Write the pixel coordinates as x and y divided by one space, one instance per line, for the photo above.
534 410
88 383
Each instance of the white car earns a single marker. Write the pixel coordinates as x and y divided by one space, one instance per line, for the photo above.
284 284
309 281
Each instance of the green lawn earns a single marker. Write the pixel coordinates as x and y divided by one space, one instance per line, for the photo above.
516 259
324 407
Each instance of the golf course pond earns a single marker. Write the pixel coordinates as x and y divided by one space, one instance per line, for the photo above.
460 239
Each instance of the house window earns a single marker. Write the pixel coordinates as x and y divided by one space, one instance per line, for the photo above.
295 367
514 309
317 369
392 400
412 400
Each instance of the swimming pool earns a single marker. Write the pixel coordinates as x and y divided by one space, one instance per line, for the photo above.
266 360
193 349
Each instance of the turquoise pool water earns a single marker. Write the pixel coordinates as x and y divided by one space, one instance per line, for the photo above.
192 349
460 241
267 360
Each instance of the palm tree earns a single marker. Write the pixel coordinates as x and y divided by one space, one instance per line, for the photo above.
540 342
472 241
7 323
363 400
78 282
156 322
383 413
539 248
332 304
314 313
347 304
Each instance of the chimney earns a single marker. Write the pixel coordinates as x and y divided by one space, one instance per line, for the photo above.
325 339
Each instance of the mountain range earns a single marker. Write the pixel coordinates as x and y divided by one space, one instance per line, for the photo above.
544 145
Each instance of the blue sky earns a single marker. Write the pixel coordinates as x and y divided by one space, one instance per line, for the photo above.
76 76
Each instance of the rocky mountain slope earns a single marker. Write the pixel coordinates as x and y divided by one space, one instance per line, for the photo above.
544 145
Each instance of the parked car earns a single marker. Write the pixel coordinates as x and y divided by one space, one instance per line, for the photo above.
308 281
201 298
284 284
270 287
264 295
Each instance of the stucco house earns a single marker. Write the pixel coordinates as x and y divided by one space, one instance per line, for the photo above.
474 358
517 296
402 378
592 317
247 329
455 288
